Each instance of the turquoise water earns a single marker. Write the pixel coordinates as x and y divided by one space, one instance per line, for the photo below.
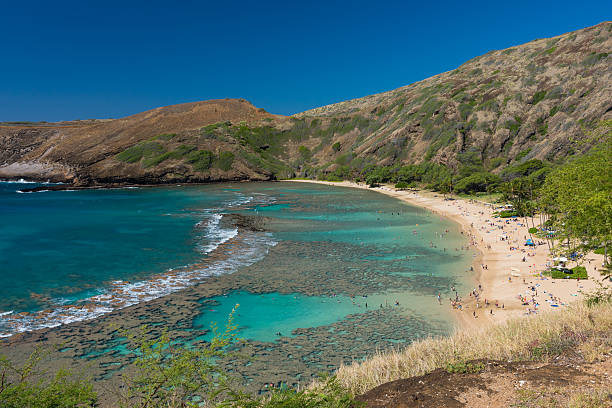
112 248
265 317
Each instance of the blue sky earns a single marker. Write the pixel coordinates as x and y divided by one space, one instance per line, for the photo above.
65 60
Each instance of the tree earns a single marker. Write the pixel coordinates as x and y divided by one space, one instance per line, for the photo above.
167 374
578 196
28 386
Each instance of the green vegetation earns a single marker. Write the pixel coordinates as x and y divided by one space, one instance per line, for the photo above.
201 160
475 182
25 386
530 169
594 58
506 214
538 97
304 152
336 147
181 151
225 160
541 126
329 395
550 50
144 149
464 367
576 197
578 272
522 154
465 109
164 373
514 125
553 111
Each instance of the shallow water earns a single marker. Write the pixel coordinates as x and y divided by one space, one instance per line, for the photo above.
323 245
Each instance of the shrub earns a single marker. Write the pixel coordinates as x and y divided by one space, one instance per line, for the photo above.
465 109
336 146
553 111
154 161
477 182
537 97
578 272
522 170
304 153
143 149
522 154
19 388
513 125
178 153
344 159
330 394
401 185
225 160
464 367
201 160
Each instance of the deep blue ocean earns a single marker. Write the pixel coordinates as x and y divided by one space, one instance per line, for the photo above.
75 255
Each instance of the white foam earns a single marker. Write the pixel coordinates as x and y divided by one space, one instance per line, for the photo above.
251 248
215 233
23 181
248 249
30 192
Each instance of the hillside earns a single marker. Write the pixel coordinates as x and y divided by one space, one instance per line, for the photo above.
85 152
534 101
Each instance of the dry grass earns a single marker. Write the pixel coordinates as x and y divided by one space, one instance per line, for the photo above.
585 329
553 397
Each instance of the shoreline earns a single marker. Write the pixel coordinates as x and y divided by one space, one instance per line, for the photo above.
499 268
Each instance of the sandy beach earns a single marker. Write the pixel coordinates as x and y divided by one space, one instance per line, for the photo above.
507 276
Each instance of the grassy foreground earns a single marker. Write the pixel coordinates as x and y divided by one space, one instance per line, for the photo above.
584 327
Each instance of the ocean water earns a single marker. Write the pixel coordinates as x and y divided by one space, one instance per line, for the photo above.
74 255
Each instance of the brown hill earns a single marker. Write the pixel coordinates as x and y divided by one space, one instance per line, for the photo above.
539 100
85 151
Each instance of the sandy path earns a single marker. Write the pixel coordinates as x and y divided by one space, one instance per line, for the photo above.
498 261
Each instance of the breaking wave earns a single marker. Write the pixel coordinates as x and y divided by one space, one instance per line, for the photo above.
225 250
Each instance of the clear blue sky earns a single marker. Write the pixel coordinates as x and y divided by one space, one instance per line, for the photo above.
98 59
